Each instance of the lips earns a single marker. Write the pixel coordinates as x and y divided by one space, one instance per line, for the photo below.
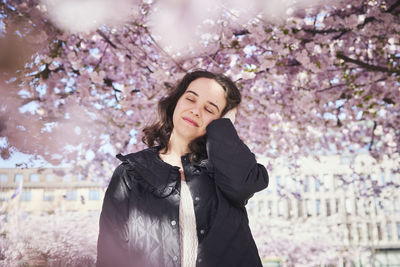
190 121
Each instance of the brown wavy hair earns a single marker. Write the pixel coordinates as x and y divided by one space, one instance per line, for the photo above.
160 132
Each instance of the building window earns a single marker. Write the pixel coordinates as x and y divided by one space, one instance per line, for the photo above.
349 233
378 227
298 185
328 207
386 206
359 207
3 196
340 182
356 206
327 181
383 180
34 177
336 182
48 196
395 177
308 207
4 217
3 178
376 204
66 178
49 177
396 204
359 232
367 206
389 230
317 184
94 195
26 195
270 204
369 231
306 183
71 195
344 184
260 205
349 206
289 208
80 177
278 183
282 207
18 177
318 206
337 205
398 230
299 208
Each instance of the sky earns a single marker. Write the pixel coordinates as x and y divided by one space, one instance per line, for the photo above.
18 157
21 158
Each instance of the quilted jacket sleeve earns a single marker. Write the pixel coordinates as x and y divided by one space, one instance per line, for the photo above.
112 244
236 171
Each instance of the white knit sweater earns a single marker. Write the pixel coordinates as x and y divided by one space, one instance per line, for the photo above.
187 227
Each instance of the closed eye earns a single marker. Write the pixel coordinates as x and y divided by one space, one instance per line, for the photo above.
191 100
209 111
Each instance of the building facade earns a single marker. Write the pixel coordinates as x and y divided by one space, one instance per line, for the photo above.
358 196
44 191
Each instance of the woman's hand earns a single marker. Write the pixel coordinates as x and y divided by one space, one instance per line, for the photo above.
231 114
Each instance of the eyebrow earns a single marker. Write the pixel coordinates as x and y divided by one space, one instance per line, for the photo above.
211 103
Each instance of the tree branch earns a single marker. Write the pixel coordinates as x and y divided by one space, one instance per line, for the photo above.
106 39
314 31
373 137
365 65
338 121
241 32
393 7
331 87
342 31
101 58
343 84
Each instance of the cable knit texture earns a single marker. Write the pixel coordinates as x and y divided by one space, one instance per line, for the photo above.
187 227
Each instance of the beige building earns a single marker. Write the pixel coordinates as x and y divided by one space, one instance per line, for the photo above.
44 191
358 195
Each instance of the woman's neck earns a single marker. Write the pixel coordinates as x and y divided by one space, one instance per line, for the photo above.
177 146
176 149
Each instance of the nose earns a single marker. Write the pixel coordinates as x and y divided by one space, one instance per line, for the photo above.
195 111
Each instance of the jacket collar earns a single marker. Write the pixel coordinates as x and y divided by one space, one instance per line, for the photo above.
147 168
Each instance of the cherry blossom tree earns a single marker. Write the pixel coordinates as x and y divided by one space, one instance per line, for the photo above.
321 78
316 76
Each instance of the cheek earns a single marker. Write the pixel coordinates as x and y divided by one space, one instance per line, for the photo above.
208 119
178 105
178 108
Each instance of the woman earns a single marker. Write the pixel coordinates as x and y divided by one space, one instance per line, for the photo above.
182 202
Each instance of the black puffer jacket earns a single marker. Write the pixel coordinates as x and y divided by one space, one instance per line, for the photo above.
139 223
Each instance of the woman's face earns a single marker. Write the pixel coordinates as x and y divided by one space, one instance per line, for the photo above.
202 102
